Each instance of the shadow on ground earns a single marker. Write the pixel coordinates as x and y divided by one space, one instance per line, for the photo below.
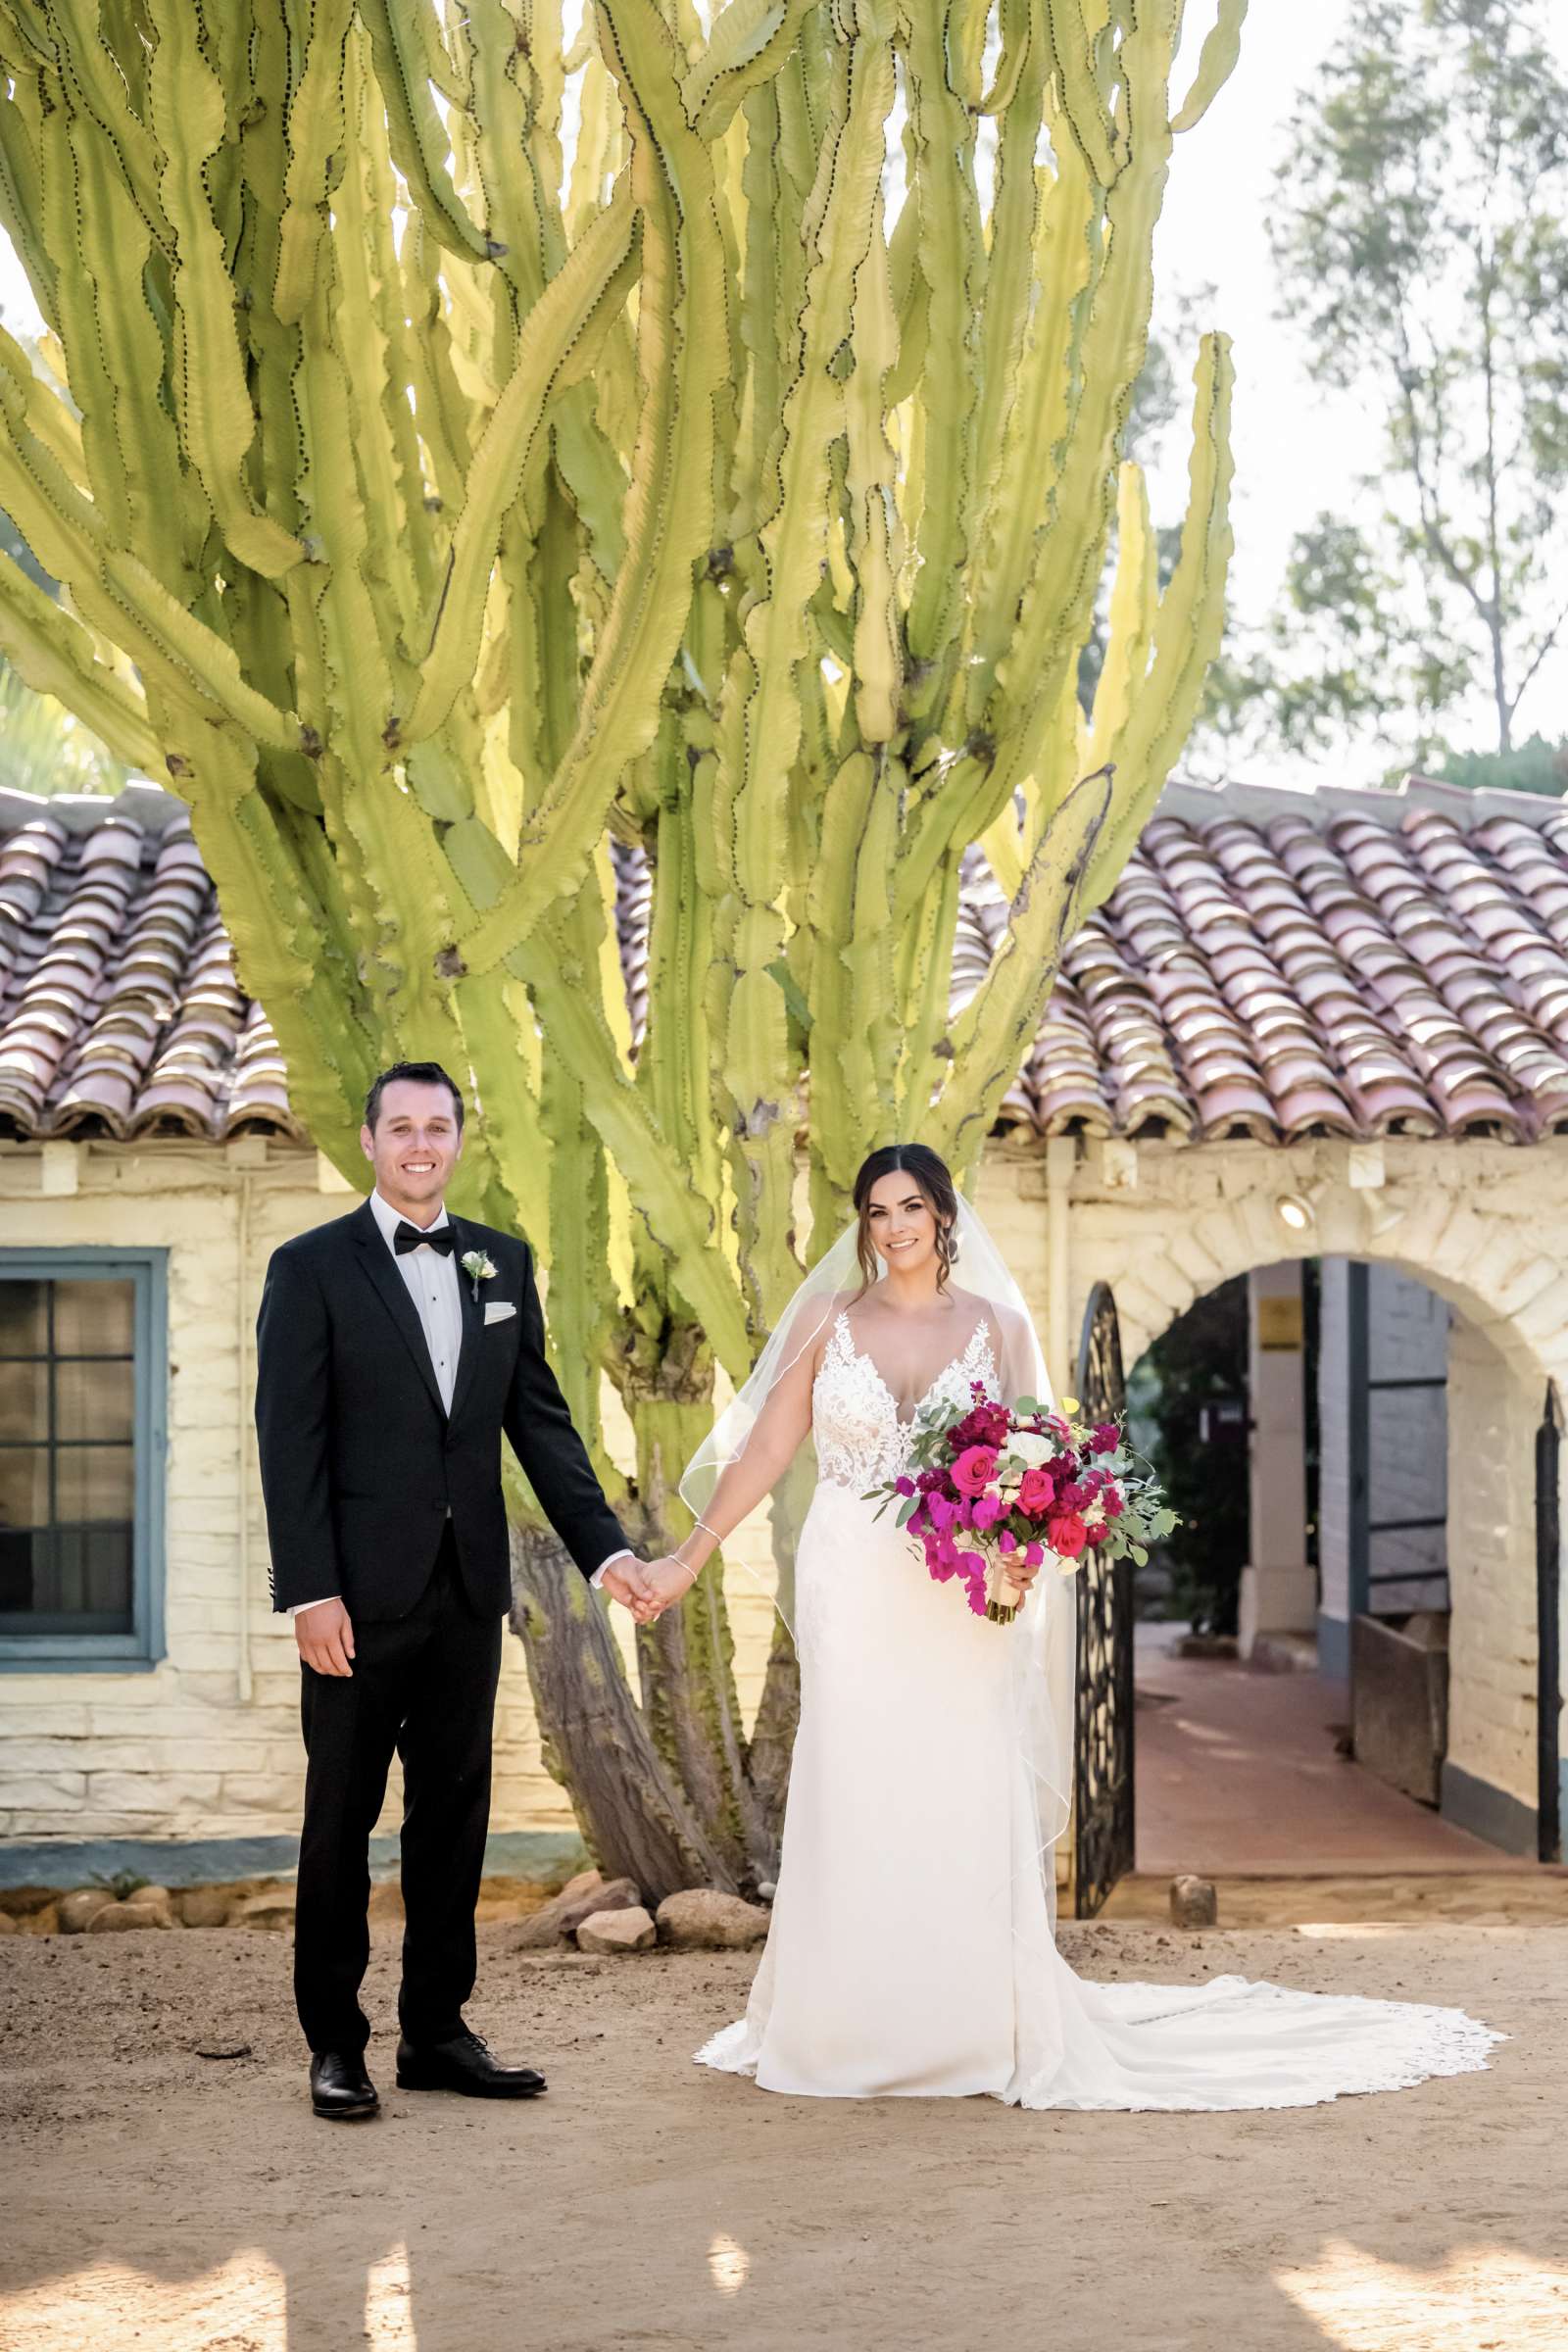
158 2198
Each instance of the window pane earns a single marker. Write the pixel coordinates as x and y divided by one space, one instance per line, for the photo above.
95 1318
23 1486
20 1554
23 1401
94 1483
91 1575
23 1330
93 1401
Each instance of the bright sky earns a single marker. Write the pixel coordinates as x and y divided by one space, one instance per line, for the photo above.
1297 448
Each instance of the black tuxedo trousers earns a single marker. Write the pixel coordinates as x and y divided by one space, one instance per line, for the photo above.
378 1496
423 1688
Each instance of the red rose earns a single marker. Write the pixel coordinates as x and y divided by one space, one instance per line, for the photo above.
1037 1491
1069 1534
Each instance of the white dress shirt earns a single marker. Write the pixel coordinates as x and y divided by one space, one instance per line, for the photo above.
431 1278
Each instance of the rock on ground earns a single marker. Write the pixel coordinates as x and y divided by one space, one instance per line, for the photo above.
1192 1902
114 1918
204 1906
615 1932
701 1919
560 1921
80 1908
275 1910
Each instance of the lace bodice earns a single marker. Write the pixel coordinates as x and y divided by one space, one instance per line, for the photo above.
860 1441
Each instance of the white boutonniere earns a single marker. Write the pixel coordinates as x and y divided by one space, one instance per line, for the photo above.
480 1267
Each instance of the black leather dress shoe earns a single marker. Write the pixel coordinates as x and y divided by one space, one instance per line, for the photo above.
465 2065
341 2091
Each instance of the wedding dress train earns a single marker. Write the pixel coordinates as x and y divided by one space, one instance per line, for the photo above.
910 1952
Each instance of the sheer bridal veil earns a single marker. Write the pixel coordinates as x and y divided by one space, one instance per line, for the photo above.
1042 1641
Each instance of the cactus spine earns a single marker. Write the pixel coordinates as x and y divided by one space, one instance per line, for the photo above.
435 510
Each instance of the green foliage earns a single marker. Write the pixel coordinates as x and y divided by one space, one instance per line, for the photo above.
45 750
431 509
1534 766
1421 236
1199 1359
121 1883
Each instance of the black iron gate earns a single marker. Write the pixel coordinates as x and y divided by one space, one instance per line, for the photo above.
1103 1768
1549 1588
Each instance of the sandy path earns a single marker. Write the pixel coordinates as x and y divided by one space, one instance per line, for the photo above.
155 2199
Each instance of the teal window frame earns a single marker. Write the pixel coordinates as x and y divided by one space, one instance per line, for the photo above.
140 1649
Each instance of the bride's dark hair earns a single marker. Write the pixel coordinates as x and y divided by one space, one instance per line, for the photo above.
936 1187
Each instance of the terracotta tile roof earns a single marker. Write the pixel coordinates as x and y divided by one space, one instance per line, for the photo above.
1271 964
1277 964
120 1012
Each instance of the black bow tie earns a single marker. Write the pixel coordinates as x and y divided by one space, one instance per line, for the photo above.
408 1237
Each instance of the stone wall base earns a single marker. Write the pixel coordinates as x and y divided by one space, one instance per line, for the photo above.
1486 1812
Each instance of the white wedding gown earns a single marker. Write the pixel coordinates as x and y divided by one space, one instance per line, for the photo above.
910 1952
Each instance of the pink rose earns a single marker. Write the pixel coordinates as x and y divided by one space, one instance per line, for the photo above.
974 1469
1069 1534
1036 1493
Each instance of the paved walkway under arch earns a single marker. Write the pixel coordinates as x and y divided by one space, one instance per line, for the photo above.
1237 1773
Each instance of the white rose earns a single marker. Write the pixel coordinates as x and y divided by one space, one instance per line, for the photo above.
1031 1450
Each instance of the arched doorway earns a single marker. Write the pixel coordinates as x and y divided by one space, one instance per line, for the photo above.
1414 1461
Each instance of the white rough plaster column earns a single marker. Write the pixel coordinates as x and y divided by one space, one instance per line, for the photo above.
1334 1450
1279 1588
1494 1413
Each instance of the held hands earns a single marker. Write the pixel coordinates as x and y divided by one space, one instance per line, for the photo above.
325 1638
628 1582
648 1587
668 1580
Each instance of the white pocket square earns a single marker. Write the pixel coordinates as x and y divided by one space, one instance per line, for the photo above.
496 1310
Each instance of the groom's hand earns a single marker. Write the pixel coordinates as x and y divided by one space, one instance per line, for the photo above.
628 1582
325 1638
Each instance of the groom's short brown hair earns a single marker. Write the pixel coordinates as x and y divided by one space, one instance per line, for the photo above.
422 1073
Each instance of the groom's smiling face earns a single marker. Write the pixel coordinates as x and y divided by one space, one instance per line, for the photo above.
414 1147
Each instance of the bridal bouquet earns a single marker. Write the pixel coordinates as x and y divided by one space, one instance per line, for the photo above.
987 1483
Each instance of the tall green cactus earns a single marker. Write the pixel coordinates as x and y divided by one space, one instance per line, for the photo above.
437 509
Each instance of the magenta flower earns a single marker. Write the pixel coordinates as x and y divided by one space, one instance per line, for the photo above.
974 1469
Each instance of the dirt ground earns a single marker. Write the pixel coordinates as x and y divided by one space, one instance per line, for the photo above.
152 2197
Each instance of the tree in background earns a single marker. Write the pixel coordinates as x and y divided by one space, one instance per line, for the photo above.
1421 240
43 748
484 446
1201 1360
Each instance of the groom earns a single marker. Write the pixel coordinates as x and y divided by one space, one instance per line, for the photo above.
394 1346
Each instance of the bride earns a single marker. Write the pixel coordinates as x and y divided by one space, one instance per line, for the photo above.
911 1950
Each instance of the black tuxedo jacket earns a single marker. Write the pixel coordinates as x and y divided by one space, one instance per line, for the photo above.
360 1465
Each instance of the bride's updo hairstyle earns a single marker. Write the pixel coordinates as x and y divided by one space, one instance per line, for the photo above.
933 1184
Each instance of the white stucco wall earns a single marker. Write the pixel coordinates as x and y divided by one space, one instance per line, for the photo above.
177 1750
180 1751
